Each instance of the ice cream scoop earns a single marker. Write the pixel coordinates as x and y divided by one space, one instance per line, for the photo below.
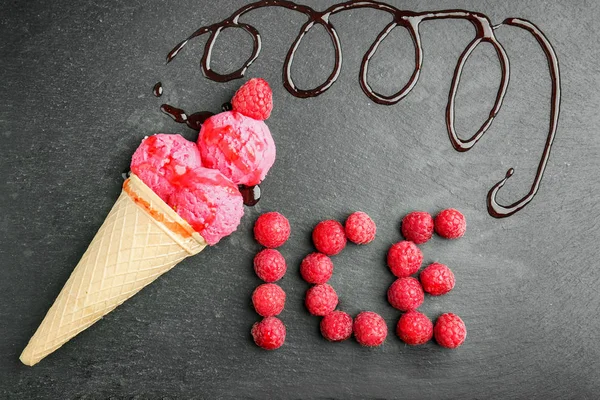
162 159
240 147
209 202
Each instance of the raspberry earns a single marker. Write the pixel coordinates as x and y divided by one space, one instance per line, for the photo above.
321 299
450 224
404 259
268 299
316 268
369 329
437 279
449 331
269 333
414 328
405 294
336 326
360 228
417 227
254 99
329 237
269 265
272 229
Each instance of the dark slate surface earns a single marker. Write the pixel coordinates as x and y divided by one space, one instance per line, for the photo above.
76 100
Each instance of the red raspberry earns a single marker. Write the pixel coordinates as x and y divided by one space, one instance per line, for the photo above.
336 326
437 279
414 328
417 227
254 99
272 229
269 333
369 329
268 299
360 228
269 265
405 294
404 259
450 224
329 237
449 331
321 299
316 268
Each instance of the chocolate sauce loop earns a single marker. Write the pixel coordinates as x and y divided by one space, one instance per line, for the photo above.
484 33
208 49
364 67
458 143
288 82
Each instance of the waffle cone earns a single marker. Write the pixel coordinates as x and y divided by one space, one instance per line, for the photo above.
140 239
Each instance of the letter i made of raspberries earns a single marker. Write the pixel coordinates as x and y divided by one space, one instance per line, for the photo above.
406 293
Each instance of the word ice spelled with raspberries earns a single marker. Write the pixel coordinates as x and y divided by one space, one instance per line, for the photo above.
405 294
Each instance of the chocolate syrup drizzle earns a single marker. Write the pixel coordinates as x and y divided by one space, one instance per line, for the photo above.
409 20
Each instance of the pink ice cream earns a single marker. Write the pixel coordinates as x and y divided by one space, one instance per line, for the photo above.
162 159
209 202
240 147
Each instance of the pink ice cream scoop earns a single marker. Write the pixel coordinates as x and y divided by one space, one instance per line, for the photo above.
162 159
240 147
209 202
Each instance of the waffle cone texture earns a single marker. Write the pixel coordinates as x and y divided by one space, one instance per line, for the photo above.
140 239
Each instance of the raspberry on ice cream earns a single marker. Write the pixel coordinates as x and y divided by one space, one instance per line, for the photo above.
316 268
414 328
161 159
269 265
404 258
271 229
321 299
209 202
405 294
329 237
268 299
449 331
240 147
269 333
369 329
336 326
417 227
360 228
437 279
450 224
254 99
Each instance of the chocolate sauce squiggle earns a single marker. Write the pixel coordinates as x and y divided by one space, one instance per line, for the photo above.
409 20
494 208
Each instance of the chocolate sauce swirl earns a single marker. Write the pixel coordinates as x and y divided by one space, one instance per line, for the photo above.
409 20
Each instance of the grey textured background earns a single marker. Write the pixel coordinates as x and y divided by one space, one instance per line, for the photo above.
76 100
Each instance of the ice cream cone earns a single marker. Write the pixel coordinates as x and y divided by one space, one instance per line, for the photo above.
140 239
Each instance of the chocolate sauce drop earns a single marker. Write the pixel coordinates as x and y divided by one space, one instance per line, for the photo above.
193 121
226 107
250 194
177 114
157 89
484 33
196 120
